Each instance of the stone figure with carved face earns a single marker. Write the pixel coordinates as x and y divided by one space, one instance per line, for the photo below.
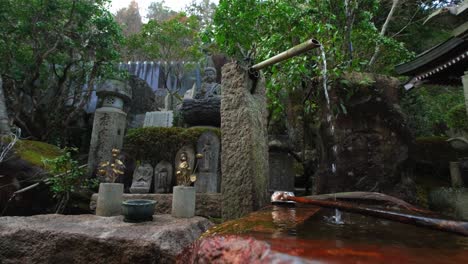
209 87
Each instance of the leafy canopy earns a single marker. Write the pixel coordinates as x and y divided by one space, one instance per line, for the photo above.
344 28
49 51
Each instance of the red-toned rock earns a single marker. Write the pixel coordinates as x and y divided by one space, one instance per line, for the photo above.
235 249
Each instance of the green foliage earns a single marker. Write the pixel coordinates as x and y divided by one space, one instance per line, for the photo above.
49 51
155 144
66 174
427 108
345 29
457 118
174 39
67 177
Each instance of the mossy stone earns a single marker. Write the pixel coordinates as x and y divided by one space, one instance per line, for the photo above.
35 152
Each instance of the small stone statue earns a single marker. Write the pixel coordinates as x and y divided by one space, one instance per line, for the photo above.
209 87
142 179
163 177
205 162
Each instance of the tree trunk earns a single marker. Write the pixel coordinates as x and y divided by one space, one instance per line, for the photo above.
4 120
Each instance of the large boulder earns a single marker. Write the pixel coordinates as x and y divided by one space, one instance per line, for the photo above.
365 144
21 169
93 239
144 100
202 112
450 201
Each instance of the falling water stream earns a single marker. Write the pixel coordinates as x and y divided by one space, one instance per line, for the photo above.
337 217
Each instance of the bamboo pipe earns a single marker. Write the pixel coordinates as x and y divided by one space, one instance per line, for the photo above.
458 227
294 51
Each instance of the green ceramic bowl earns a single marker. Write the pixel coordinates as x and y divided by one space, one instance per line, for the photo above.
135 211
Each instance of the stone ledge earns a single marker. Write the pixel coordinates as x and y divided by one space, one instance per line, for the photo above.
207 204
94 239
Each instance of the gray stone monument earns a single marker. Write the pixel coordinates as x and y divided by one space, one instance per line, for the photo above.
142 178
109 122
244 139
163 177
158 119
208 177
281 171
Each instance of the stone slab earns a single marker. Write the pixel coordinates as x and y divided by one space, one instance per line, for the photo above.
94 239
207 204
159 119
281 171
208 178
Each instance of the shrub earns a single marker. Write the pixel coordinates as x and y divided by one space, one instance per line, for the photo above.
155 144
457 118
427 108
67 176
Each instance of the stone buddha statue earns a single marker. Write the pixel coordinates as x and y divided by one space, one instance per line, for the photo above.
142 179
201 105
209 87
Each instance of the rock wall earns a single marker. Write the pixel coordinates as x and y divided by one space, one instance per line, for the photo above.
144 100
368 143
244 156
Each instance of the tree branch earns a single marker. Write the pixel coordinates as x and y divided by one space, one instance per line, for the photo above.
383 31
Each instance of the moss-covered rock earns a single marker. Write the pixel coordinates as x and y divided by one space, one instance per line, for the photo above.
35 151
155 144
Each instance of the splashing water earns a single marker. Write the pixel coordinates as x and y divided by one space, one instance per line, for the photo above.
335 219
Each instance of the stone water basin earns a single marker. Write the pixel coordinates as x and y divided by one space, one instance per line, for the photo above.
305 234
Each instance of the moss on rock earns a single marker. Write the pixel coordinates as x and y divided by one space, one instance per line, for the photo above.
155 144
35 151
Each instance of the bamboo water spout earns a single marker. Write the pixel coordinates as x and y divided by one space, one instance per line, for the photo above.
294 51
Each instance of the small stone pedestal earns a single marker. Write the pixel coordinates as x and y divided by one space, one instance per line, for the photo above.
183 202
109 202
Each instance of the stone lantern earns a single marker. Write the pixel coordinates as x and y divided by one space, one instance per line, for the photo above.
110 121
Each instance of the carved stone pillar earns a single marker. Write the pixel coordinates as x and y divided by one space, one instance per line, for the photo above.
109 122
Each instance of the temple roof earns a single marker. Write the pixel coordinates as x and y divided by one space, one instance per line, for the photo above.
444 63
